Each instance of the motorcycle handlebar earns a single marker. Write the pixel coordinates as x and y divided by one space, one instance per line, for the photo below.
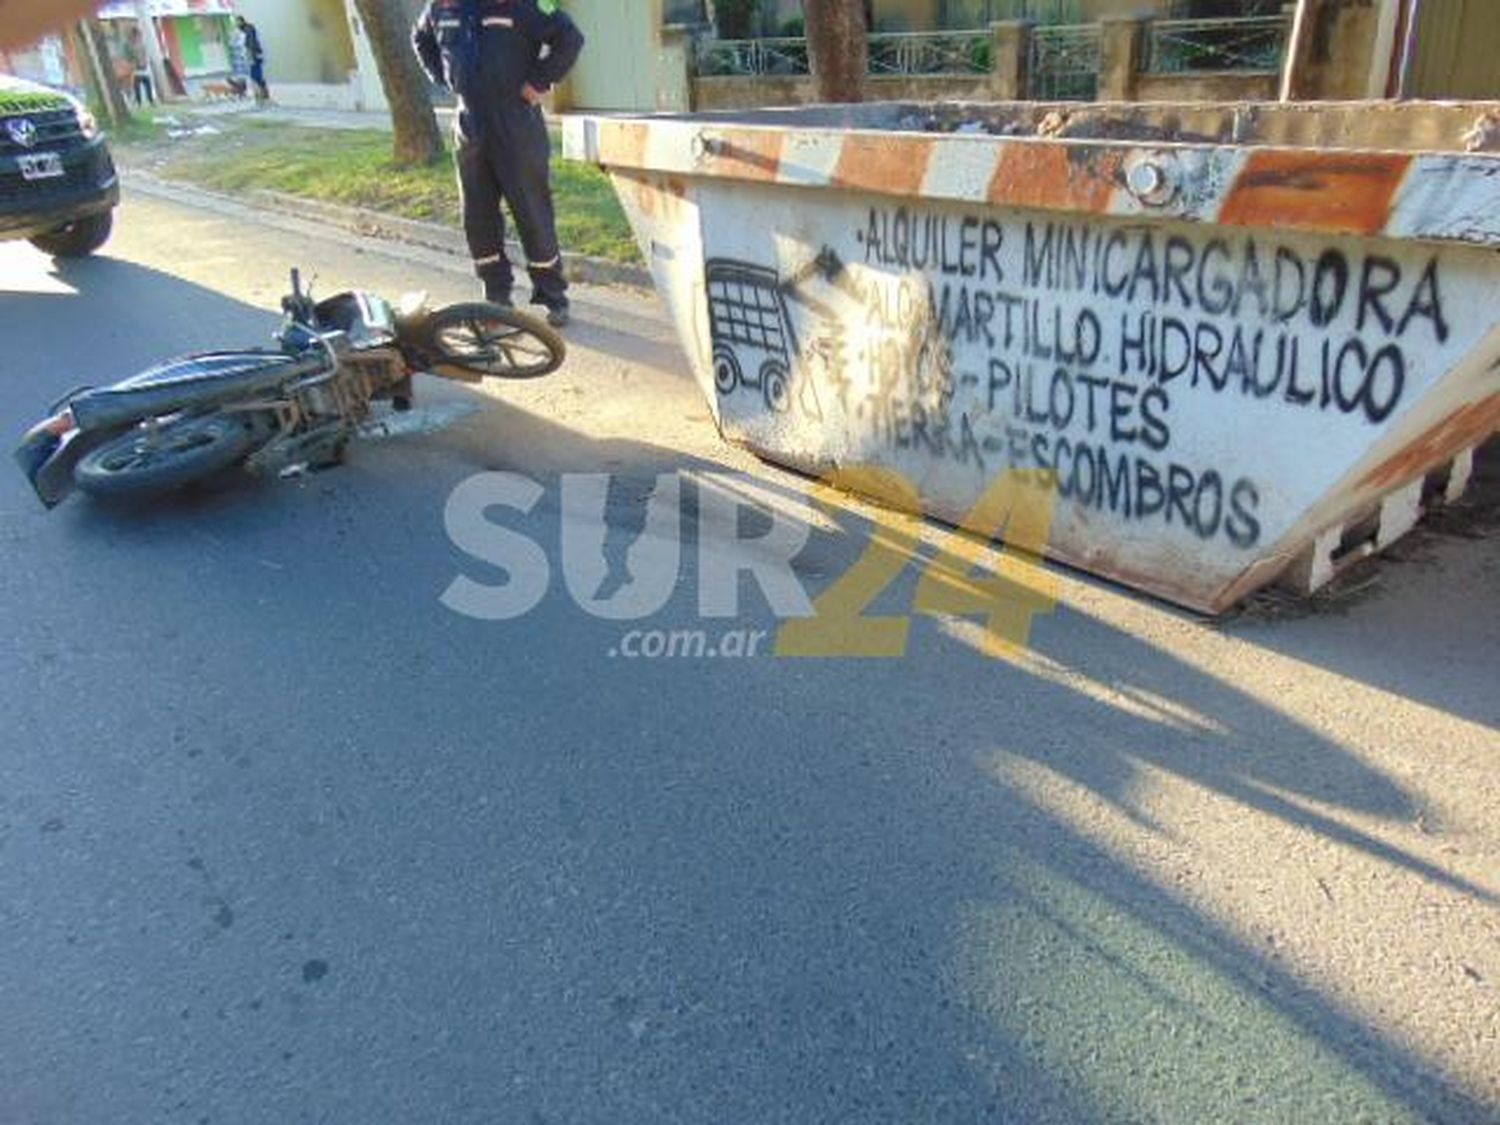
298 305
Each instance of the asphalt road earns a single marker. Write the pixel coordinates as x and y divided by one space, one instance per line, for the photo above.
284 838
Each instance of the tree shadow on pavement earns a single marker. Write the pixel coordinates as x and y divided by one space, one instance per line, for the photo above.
894 775
1429 627
771 889
100 319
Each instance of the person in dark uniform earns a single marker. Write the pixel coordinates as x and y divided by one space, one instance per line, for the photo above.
501 57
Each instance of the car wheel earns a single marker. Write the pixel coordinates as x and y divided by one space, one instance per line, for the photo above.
77 239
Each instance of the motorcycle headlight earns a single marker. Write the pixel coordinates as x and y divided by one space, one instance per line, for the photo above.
87 123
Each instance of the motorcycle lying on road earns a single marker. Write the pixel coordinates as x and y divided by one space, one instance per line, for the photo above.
274 410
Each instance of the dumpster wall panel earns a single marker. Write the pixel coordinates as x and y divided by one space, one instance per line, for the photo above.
665 216
1225 356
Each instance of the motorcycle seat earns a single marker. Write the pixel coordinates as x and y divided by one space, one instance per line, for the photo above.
188 382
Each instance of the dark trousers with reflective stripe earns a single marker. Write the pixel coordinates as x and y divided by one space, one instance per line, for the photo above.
509 163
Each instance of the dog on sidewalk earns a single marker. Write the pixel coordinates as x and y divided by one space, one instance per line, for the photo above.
231 88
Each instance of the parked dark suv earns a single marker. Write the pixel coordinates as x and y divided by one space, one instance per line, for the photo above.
58 185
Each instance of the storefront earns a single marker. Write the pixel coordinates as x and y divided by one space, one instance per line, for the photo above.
195 36
49 61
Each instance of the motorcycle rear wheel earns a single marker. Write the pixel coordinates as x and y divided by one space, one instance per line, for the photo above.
490 340
144 460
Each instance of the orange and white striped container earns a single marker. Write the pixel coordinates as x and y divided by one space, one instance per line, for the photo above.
1242 343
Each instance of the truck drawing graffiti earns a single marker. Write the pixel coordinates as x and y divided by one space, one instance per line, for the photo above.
754 341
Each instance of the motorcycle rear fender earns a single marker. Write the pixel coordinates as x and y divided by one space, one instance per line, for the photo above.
50 450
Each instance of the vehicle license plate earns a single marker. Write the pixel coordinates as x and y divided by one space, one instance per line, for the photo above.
41 166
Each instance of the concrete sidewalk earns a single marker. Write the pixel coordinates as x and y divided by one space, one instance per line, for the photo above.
362 221
290 115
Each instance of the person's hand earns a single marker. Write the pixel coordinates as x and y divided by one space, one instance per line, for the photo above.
532 95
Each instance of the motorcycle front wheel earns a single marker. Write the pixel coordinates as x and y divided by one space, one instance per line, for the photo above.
155 458
490 340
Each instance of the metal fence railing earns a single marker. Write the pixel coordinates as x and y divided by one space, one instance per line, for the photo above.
942 52
718 58
1065 63
918 53
1253 44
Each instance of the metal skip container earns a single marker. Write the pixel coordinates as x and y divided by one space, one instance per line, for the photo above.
1244 343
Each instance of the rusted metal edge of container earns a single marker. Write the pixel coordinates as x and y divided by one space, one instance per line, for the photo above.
1252 342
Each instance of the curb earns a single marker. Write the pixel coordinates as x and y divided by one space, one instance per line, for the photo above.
430 236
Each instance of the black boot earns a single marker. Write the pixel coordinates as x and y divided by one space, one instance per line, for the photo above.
495 283
557 309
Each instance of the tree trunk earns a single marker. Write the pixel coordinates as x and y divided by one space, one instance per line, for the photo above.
99 72
836 41
388 28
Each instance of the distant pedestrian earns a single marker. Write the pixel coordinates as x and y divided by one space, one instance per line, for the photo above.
119 57
257 56
140 66
238 78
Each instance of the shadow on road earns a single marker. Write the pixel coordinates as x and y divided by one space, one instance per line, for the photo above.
791 890
1433 616
100 319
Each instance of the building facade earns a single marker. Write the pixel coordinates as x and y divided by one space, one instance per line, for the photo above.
648 54
193 38
1454 47
666 56
311 57
52 62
